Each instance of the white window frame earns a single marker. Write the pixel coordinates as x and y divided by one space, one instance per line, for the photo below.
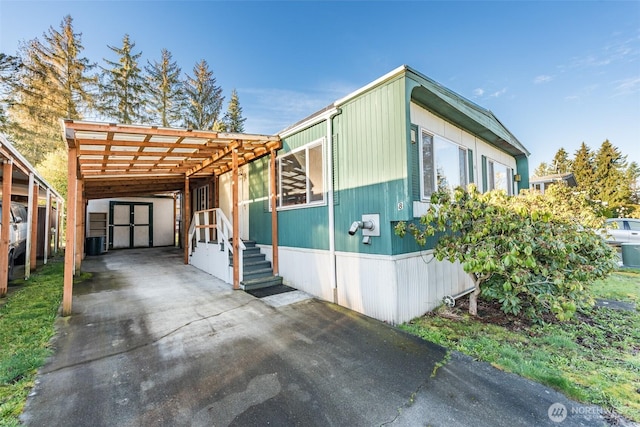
434 138
309 203
491 176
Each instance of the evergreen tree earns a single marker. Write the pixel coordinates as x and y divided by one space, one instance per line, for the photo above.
233 120
611 183
583 169
633 174
52 83
122 86
204 99
542 170
165 93
9 67
561 162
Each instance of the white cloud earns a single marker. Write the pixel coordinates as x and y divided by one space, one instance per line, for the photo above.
543 78
499 93
582 93
628 86
478 92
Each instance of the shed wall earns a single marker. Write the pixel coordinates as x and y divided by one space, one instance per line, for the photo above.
163 225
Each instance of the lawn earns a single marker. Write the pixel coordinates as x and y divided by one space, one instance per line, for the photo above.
27 319
594 359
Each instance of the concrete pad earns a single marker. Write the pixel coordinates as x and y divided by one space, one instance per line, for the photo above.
286 298
152 342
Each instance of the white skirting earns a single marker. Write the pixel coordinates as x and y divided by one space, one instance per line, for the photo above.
393 289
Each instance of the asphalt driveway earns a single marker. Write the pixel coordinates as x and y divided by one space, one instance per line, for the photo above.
152 342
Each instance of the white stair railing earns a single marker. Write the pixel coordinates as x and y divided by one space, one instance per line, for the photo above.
205 220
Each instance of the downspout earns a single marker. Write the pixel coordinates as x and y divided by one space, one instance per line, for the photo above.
333 279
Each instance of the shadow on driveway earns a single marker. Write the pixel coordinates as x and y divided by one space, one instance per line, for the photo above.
153 342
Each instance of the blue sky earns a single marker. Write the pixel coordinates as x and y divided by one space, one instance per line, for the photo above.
555 73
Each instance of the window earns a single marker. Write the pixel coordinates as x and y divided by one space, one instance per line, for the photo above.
202 198
444 165
500 177
301 176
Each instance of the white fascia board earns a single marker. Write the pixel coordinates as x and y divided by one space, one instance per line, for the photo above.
376 82
308 123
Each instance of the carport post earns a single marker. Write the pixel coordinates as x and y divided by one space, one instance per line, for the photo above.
274 214
236 226
47 227
79 248
60 213
186 219
69 255
7 171
33 250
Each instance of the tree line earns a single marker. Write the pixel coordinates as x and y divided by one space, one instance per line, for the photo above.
50 78
603 175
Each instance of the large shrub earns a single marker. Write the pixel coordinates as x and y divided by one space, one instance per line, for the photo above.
533 253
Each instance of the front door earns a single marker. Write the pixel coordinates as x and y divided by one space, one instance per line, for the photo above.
130 225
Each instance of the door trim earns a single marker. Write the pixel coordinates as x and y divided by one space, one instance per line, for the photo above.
132 224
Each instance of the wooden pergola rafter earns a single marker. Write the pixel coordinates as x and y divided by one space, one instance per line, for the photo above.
116 160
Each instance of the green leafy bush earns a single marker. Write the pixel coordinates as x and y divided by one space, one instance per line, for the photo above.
535 254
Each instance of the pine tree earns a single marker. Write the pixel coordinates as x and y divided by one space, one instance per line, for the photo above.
165 93
9 67
52 83
611 184
204 99
561 163
542 170
583 169
633 174
233 120
122 86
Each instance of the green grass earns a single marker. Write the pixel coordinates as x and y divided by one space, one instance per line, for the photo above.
593 359
26 325
620 286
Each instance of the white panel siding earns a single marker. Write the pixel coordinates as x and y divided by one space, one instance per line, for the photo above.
367 284
209 258
438 126
423 282
391 289
305 269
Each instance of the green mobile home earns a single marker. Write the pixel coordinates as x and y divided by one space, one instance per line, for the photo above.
348 174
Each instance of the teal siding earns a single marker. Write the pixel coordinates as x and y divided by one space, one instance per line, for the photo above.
483 165
375 171
470 153
300 227
371 134
372 164
522 169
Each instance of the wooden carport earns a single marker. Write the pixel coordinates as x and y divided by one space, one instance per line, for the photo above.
21 180
115 160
